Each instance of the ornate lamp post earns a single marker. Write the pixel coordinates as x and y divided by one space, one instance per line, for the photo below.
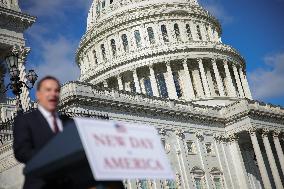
16 84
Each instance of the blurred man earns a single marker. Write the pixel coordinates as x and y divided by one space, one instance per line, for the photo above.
34 129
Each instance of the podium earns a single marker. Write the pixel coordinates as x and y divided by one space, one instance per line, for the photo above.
62 163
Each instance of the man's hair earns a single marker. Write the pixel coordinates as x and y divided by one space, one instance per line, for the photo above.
47 78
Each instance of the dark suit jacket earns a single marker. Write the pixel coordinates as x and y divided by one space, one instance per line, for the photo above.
31 132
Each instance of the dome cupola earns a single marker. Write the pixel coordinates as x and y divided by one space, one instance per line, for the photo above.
164 48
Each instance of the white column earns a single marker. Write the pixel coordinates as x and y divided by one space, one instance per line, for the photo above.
193 31
183 33
203 78
278 149
188 87
170 82
136 81
157 31
230 86
153 81
260 161
197 83
245 84
119 81
210 83
218 78
239 85
143 90
271 160
210 33
203 32
238 162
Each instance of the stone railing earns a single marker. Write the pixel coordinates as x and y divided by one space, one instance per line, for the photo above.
251 106
77 90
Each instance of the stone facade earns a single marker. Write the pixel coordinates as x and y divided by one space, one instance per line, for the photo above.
163 63
12 25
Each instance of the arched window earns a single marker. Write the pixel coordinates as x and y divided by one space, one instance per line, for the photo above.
143 184
148 87
103 51
217 177
164 33
171 184
151 35
177 84
198 32
188 32
113 47
162 85
137 38
125 42
198 177
177 32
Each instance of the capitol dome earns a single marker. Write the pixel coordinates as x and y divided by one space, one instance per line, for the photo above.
164 48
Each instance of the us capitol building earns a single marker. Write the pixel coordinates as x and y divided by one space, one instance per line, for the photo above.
162 63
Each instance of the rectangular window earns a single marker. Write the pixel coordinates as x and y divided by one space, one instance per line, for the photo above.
103 51
188 31
198 32
125 42
113 47
217 183
177 32
165 33
103 4
177 84
95 56
162 85
137 38
151 35
198 183
148 87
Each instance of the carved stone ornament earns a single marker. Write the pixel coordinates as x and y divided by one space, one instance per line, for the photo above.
218 137
179 133
199 136
252 130
276 133
167 147
162 131
265 132
233 137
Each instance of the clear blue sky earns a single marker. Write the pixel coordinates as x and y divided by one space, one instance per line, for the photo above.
254 27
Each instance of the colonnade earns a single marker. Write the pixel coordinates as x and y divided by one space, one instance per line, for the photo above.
193 79
271 157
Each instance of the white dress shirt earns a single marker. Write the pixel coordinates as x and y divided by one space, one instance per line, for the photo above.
49 118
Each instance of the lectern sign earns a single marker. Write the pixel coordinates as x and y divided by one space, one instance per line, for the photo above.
118 151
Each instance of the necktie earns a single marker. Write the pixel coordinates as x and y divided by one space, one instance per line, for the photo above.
55 126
